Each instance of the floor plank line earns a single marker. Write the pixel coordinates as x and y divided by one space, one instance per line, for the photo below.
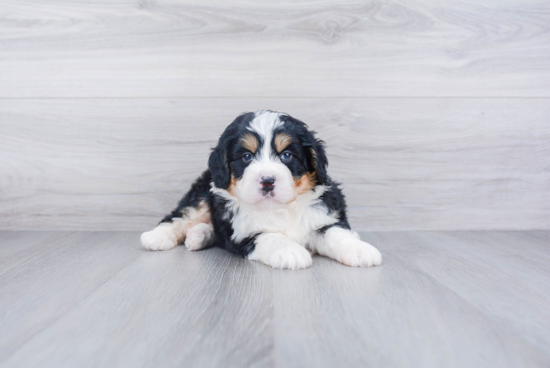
97 299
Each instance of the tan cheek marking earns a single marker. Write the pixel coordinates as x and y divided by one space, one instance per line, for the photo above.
250 142
282 141
232 185
305 183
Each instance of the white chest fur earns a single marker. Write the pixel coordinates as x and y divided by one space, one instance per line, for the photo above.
297 220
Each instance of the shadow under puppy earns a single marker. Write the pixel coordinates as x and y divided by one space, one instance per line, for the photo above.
266 195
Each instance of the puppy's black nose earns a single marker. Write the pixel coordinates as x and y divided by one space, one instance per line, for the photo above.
267 183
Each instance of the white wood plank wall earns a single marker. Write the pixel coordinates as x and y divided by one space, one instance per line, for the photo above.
436 113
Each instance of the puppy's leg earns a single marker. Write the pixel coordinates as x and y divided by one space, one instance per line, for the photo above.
199 236
173 230
345 246
278 251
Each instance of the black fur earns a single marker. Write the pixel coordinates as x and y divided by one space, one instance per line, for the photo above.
335 201
200 191
316 160
222 155
223 229
226 160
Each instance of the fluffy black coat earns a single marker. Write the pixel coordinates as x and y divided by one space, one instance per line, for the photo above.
225 161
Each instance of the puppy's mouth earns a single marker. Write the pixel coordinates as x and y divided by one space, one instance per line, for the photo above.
269 194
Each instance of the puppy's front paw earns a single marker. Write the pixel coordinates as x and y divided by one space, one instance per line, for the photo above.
278 251
291 258
158 239
198 236
356 253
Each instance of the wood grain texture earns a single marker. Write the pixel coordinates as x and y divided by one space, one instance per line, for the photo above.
460 299
248 48
405 163
166 309
13 242
397 315
51 273
492 271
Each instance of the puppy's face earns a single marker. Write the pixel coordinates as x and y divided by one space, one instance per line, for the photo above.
268 159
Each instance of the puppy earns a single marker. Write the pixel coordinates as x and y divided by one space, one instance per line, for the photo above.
266 195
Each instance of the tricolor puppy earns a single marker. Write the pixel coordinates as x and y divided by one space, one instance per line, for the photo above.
266 195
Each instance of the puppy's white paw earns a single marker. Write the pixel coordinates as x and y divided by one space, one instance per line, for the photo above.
278 251
356 253
292 258
158 239
198 236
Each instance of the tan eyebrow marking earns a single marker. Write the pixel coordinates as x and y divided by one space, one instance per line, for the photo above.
250 142
282 141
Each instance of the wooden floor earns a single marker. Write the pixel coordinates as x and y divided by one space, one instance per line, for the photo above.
440 299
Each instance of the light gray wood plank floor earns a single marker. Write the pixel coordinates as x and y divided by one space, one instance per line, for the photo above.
440 299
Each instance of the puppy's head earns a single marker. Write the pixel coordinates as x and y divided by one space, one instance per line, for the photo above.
268 158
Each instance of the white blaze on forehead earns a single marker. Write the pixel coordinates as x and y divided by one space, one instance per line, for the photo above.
264 123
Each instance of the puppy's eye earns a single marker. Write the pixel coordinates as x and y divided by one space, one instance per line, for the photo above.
247 157
286 157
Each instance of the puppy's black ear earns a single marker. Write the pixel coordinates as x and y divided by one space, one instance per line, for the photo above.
318 159
218 163
314 149
219 167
